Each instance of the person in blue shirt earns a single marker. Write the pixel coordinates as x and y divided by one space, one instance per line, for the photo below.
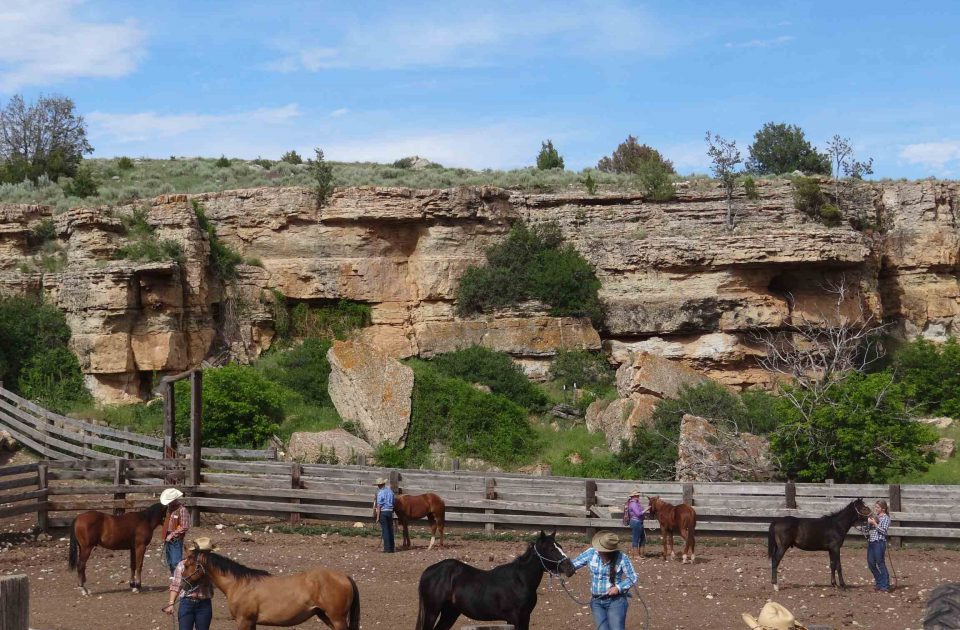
611 577
383 513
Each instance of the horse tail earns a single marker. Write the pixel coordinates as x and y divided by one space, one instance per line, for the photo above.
353 621
419 625
74 551
771 540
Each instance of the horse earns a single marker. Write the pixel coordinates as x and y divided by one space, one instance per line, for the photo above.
256 597
410 507
508 592
813 534
675 519
132 531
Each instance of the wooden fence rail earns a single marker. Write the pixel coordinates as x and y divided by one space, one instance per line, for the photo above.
293 492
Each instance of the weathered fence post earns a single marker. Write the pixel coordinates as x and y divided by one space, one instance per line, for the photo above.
169 429
295 471
455 464
43 521
395 480
119 479
196 438
895 506
590 500
14 602
688 493
361 459
490 494
790 492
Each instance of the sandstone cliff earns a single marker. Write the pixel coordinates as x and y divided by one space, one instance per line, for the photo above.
675 282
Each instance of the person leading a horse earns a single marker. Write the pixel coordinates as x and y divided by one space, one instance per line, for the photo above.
611 577
195 594
383 513
633 513
176 524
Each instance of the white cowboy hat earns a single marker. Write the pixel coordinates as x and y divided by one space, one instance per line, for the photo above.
605 541
169 495
380 481
203 544
773 616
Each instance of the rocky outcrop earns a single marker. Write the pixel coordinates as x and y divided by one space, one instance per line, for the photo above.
372 390
325 446
710 453
654 375
943 449
617 419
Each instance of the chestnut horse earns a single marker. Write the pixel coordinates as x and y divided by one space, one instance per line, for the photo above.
410 507
257 597
675 519
132 531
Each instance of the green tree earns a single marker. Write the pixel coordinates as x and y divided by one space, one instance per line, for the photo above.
781 148
27 326
305 370
82 184
930 376
45 137
52 378
581 368
859 432
724 157
496 370
549 157
630 157
322 173
222 162
655 181
291 157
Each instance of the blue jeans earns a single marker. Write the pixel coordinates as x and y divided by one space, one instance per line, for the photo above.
639 536
173 553
609 614
386 530
875 553
195 614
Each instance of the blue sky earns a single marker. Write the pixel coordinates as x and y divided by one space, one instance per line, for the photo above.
480 84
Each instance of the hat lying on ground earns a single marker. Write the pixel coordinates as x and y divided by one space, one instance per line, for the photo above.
170 495
380 481
203 544
605 541
773 616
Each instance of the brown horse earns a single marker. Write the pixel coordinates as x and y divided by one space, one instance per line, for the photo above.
256 597
675 519
410 507
132 531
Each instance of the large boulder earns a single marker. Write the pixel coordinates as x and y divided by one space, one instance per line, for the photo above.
324 446
944 449
654 375
372 390
617 419
940 423
708 453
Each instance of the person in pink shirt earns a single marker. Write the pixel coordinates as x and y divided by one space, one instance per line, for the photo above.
633 513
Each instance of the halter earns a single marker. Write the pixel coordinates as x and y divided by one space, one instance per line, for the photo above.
189 581
556 563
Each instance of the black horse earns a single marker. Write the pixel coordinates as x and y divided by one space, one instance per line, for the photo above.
826 533
508 592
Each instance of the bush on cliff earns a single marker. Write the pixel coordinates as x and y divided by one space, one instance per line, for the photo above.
532 264
930 376
29 327
496 370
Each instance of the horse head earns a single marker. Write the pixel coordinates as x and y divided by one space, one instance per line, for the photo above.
551 554
861 508
194 568
652 507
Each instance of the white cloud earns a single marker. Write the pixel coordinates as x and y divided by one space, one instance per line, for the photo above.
932 154
42 42
337 113
762 43
451 35
143 126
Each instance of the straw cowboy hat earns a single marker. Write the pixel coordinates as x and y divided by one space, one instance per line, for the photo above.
169 495
203 544
605 541
380 481
773 616
635 492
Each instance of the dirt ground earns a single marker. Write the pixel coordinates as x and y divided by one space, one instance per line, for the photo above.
729 577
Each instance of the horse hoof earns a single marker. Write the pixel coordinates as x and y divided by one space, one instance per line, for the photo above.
135 589
776 587
84 592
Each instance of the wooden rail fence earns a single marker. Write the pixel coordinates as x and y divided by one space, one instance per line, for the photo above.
56 490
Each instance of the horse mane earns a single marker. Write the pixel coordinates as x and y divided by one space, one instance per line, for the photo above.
232 567
157 509
848 506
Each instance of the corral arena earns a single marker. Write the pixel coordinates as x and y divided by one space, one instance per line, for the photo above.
730 576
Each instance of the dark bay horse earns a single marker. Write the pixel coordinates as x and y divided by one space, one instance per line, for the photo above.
826 533
132 531
257 597
451 588
675 519
409 507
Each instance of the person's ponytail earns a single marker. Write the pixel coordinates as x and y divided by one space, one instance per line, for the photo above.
614 560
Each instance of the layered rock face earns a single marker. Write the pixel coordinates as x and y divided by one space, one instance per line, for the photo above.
707 452
675 282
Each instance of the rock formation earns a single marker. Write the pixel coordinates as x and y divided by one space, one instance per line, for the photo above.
707 452
675 282
310 447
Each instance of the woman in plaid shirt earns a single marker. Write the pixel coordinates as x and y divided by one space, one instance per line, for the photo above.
196 600
876 528
611 576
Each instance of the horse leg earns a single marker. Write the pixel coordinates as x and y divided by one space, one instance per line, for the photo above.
448 617
775 564
433 530
246 624
141 550
406 533
82 567
835 560
673 554
133 570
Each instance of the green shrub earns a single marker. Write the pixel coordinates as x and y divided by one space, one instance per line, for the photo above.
582 368
43 232
470 422
262 163
750 188
631 156
223 259
406 162
52 378
496 370
387 455
151 250
291 157
222 162
241 408
549 157
304 369
28 326
655 181
82 184
860 432
930 376
807 196
590 184
322 173
831 215
335 320
532 263
125 164
781 148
